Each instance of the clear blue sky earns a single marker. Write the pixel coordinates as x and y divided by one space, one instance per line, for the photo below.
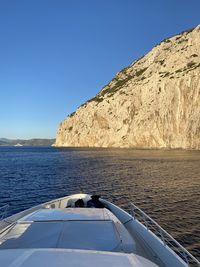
56 54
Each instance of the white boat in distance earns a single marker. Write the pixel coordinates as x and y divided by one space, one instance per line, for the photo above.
82 230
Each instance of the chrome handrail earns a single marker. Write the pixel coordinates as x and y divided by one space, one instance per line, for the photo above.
164 237
3 211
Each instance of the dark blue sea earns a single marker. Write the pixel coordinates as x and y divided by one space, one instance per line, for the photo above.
165 184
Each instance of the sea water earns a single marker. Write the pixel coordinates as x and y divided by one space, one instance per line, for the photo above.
165 184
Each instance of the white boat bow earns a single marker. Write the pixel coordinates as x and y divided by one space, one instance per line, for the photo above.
70 231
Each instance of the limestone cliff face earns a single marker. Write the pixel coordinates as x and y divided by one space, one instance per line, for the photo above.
153 103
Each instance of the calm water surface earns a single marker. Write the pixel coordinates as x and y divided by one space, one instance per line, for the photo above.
165 184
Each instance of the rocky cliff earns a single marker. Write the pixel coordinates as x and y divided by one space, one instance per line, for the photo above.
153 103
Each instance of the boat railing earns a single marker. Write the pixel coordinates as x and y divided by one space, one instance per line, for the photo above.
165 237
4 211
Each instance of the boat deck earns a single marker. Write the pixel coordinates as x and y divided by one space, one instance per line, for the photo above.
59 226
70 258
70 228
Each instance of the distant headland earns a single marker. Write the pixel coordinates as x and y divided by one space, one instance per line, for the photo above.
28 142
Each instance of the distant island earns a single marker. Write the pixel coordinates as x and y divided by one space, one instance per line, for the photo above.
24 142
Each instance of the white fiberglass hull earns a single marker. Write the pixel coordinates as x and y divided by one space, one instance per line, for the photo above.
57 231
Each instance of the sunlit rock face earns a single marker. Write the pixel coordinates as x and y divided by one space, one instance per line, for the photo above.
153 103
